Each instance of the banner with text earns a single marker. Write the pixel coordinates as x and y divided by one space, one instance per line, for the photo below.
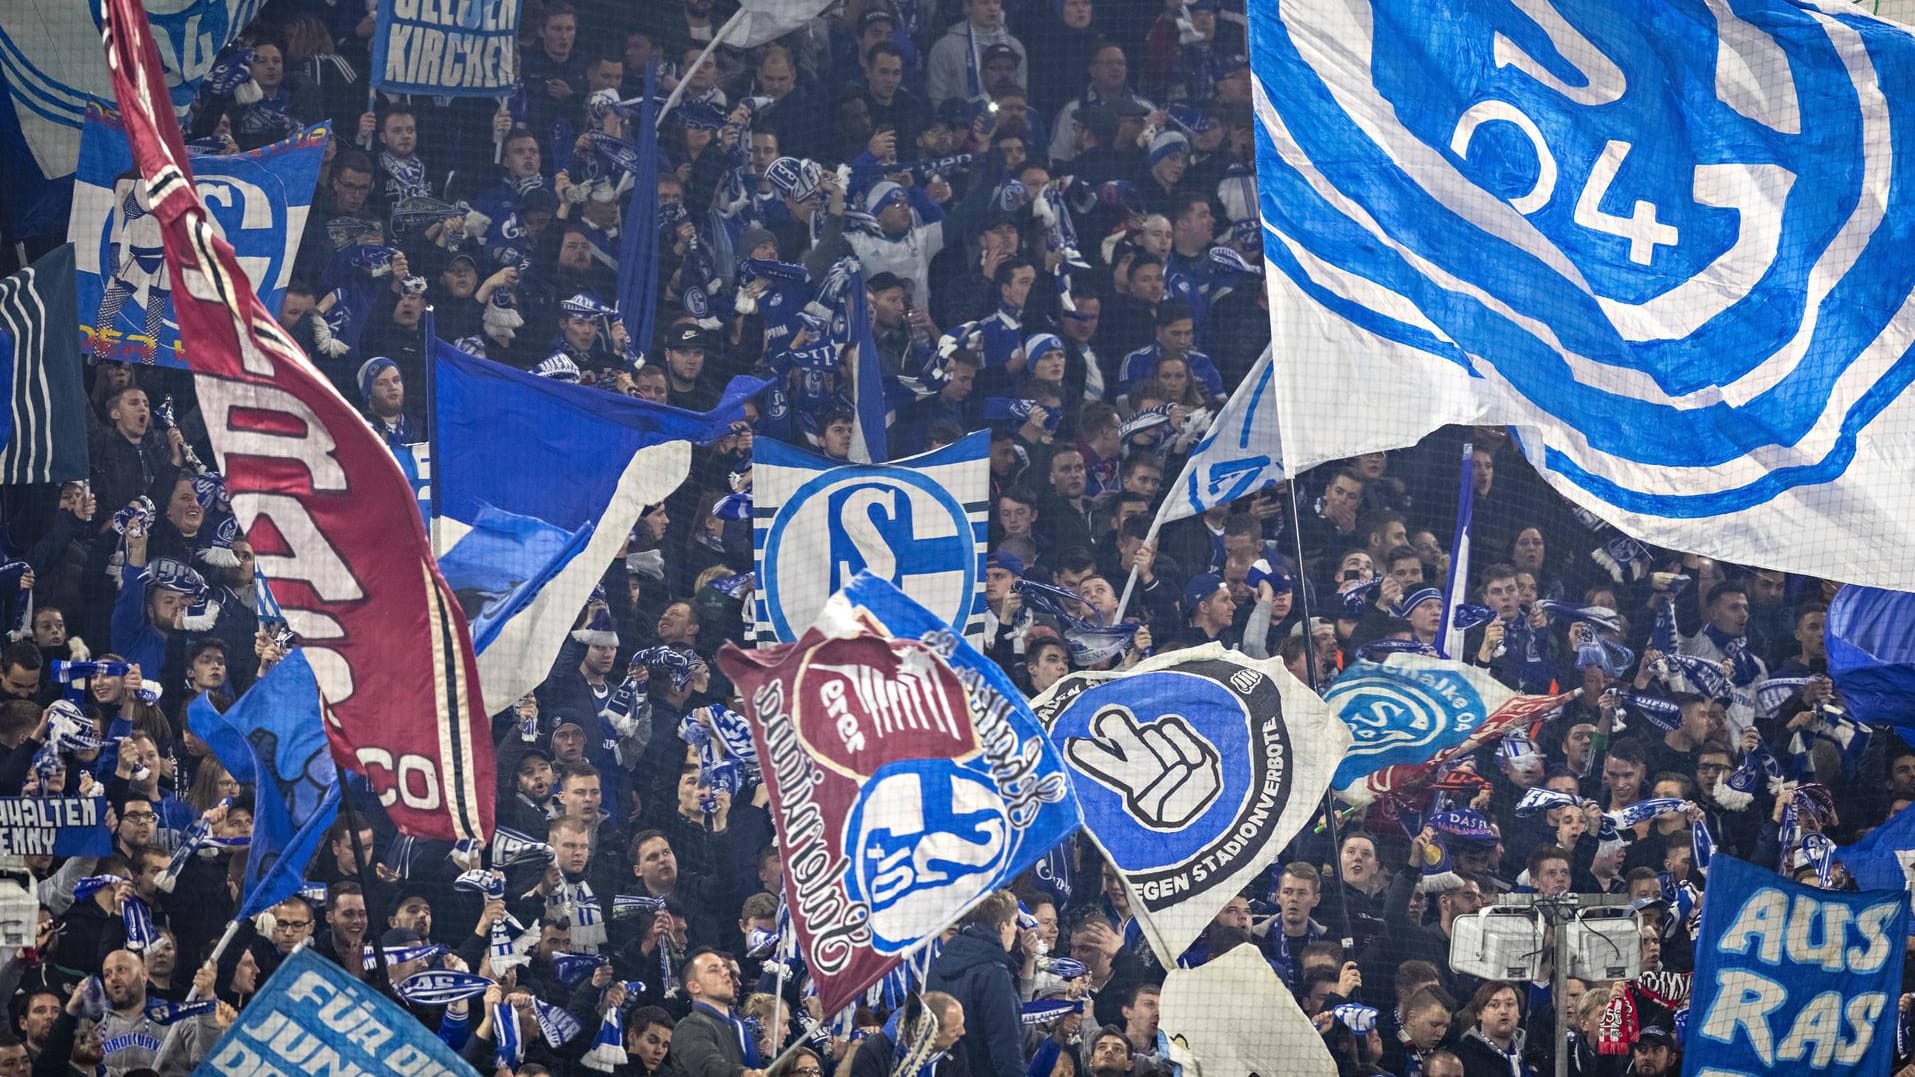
448 48
908 779
54 826
1792 977
296 1024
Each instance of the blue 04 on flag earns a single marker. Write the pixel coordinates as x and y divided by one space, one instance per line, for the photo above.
1664 240
918 523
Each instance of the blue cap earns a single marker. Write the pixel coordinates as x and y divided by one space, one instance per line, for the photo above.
1199 588
1005 560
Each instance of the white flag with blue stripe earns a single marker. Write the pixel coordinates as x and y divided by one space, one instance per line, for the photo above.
1666 240
919 523
1238 457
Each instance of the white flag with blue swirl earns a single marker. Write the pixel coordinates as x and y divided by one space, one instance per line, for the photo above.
1665 240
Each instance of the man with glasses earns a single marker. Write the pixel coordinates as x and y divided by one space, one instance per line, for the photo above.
708 1042
136 826
292 924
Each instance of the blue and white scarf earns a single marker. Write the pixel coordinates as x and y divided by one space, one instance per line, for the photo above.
441 987
1664 714
510 1052
510 848
165 1011
607 1052
571 968
1615 822
555 1024
399 955
136 916
1736 791
1743 666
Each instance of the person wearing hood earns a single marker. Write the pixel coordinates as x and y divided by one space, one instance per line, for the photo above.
978 970
383 388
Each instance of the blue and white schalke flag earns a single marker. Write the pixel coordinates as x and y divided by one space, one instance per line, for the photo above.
1238 457
918 523
1665 240
259 200
1193 770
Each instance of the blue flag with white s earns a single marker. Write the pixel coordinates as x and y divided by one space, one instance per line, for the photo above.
465 49
259 200
919 523
1238 457
275 735
1665 240
1791 978
536 484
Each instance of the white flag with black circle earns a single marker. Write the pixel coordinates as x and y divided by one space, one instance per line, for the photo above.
1194 770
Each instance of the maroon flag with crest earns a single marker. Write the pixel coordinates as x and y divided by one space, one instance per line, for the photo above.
333 522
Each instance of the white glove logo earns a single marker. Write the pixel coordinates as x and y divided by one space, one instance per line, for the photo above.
1167 773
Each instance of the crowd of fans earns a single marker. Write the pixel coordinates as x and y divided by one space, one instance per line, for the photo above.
1052 207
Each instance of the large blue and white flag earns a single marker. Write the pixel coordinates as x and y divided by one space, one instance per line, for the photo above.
1412 711
293 1024
466 49
1791 978
1665 241
275 737
1240 455
51 66
919 523
259 199
1194 769
1884 859
536 485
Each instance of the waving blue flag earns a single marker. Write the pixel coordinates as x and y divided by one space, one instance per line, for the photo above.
1885 858
1665 241
1871 645
638 247
275 738
536 484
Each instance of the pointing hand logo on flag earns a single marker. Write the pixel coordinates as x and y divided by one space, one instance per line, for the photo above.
1167 773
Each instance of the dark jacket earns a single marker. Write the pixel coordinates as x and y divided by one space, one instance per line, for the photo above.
704 1044
975 969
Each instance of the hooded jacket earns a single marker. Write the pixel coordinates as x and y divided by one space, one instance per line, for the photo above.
975 969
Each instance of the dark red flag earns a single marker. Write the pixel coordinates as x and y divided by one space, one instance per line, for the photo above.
332 519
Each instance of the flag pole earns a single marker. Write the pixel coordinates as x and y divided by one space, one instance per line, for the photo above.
685 77
431 327
1130 584
1348 939
360 860
1456 580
